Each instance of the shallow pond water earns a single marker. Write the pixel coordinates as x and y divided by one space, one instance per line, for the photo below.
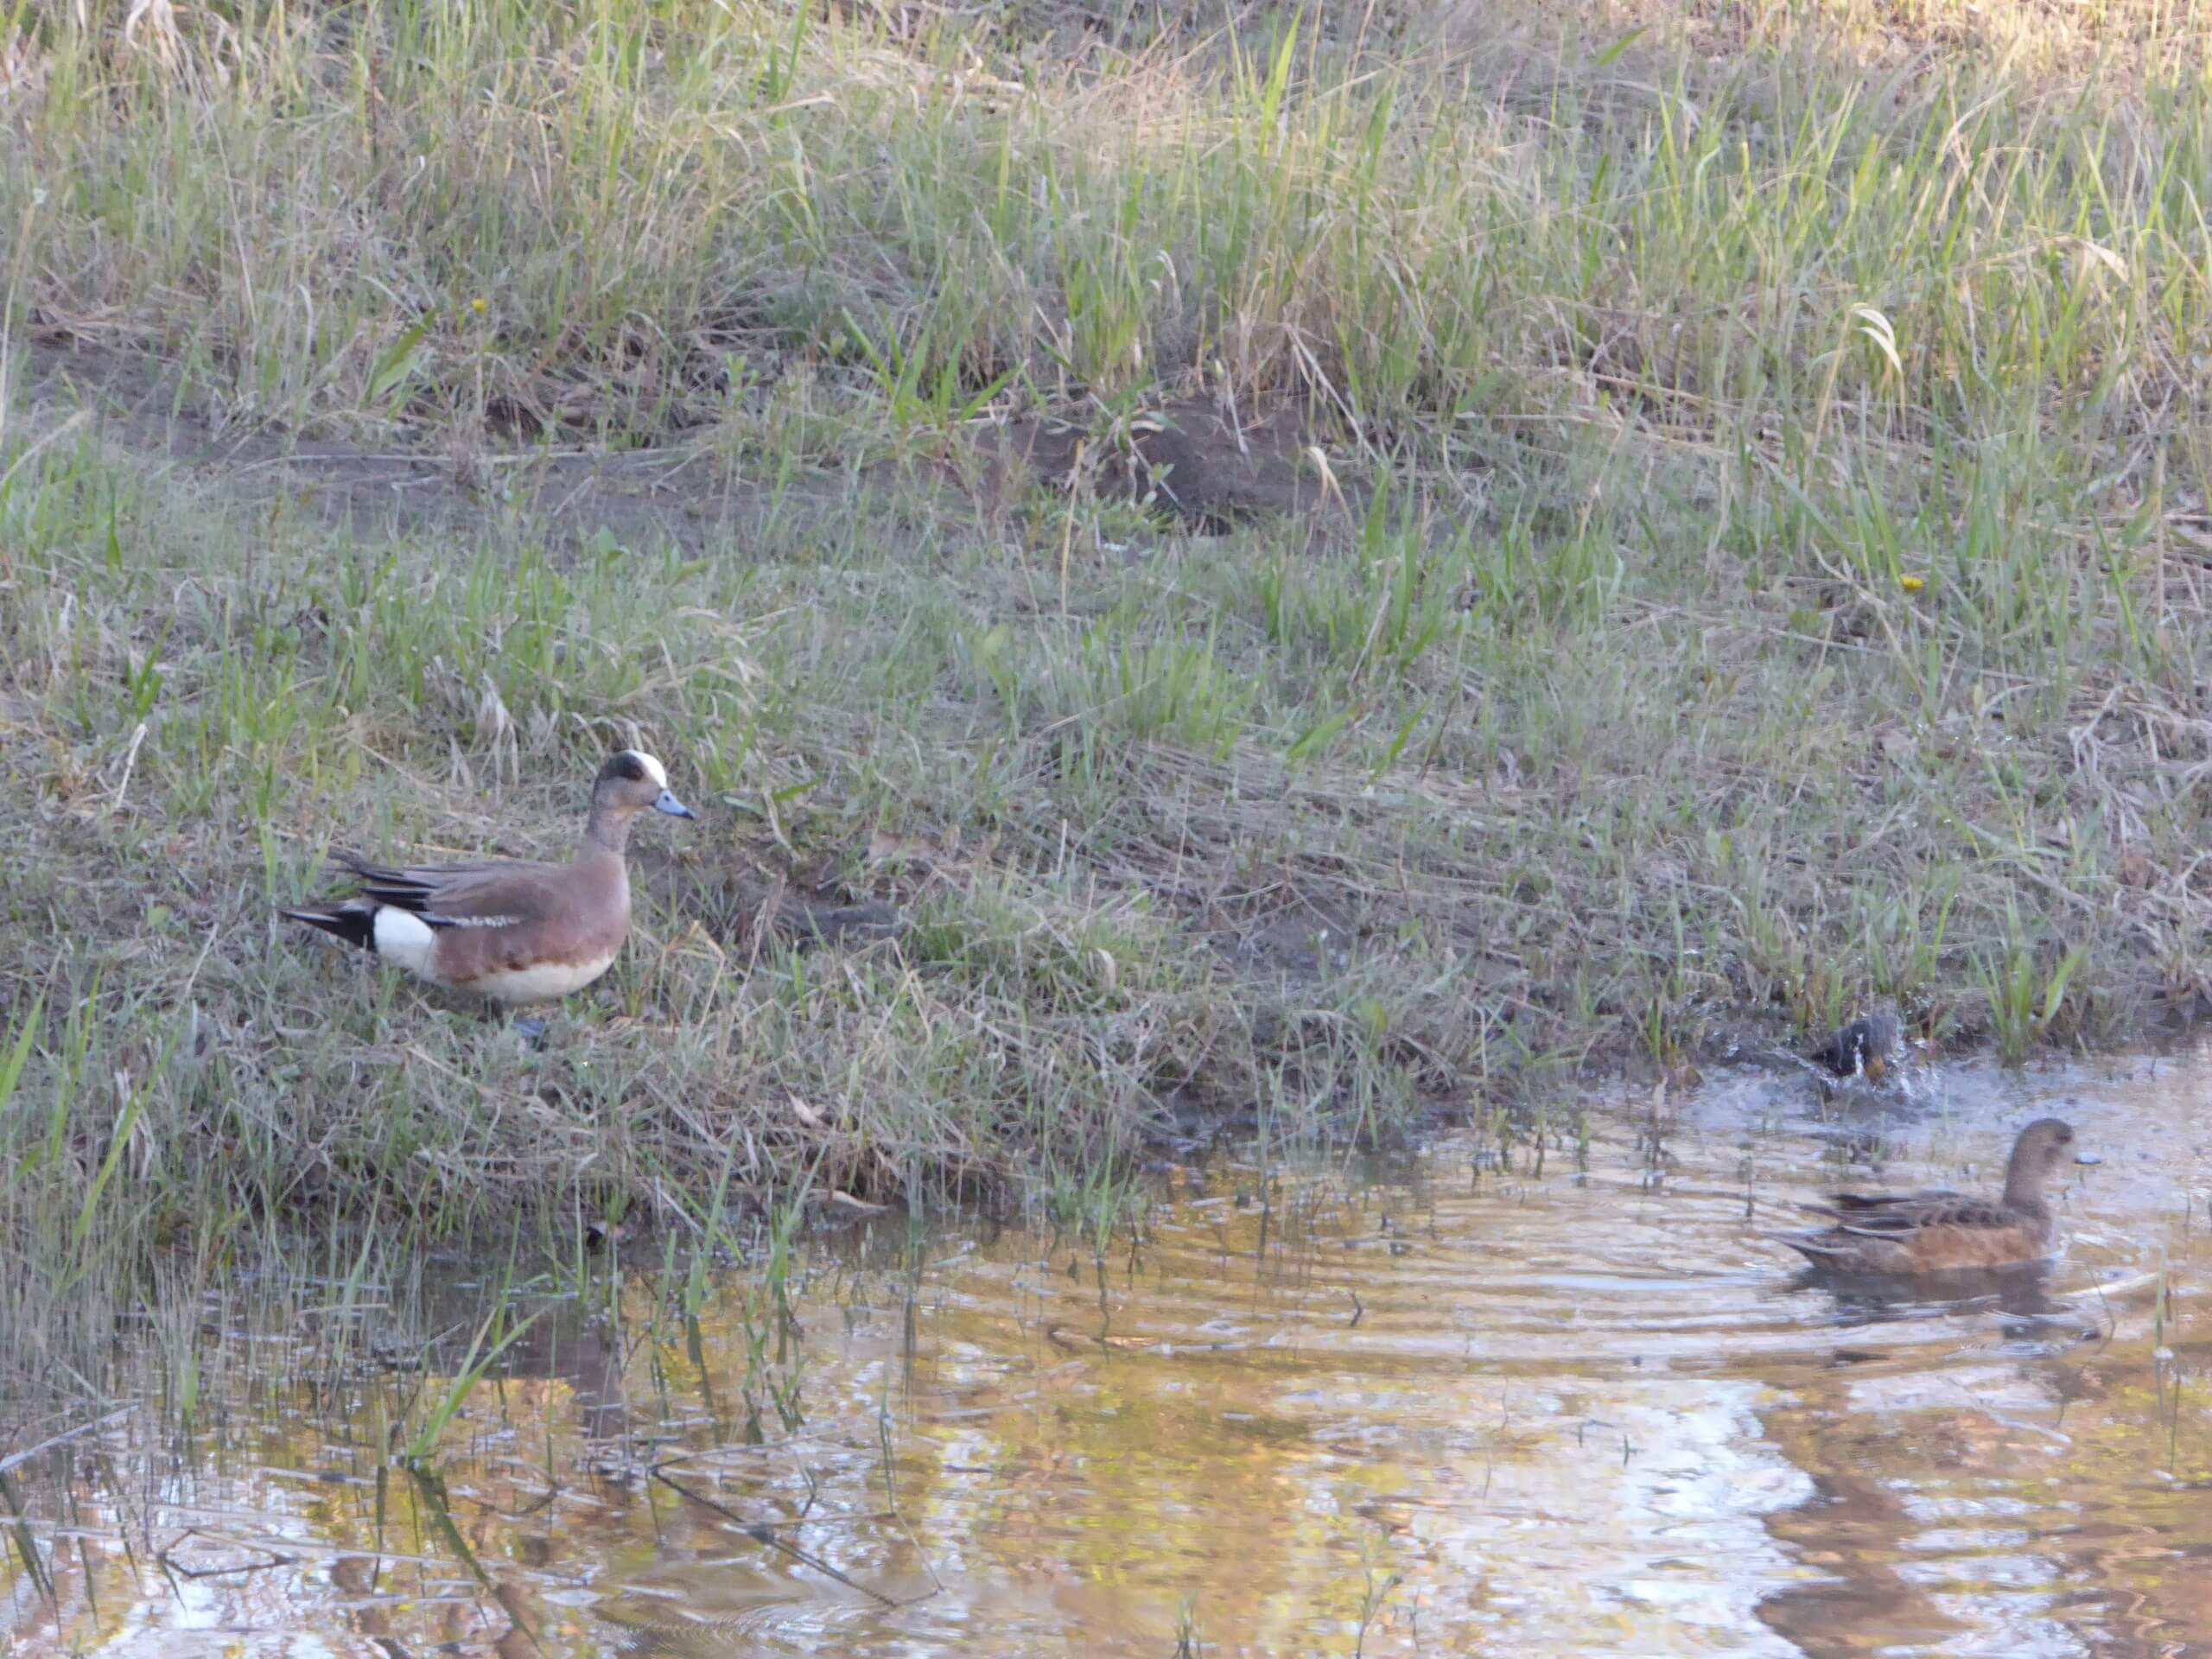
1457 1403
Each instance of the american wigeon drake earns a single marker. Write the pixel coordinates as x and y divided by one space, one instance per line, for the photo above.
509 930
1869 1047
1945 1232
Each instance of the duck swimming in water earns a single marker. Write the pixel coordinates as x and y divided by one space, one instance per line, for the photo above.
1944 1232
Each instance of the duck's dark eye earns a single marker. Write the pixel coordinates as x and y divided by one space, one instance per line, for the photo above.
631 768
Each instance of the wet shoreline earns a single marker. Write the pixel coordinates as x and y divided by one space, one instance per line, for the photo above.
1435 1402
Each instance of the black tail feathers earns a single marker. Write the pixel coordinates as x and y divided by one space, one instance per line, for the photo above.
355 924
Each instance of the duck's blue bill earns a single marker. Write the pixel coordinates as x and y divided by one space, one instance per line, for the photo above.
674 808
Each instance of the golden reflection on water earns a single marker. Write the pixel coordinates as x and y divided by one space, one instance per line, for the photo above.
1448 1409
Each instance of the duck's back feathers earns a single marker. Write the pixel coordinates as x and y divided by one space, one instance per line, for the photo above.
495 891
1881 1215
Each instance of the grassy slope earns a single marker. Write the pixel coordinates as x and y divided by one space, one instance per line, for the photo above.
1788 587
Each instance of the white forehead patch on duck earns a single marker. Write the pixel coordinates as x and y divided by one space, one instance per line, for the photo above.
654 770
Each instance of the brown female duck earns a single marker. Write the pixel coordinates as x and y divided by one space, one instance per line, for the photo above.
1944 1232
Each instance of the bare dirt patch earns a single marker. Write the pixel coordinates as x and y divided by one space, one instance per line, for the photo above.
1209 464
688 498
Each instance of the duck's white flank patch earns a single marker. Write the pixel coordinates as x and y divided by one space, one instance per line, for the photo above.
404 939
546 982
654 770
